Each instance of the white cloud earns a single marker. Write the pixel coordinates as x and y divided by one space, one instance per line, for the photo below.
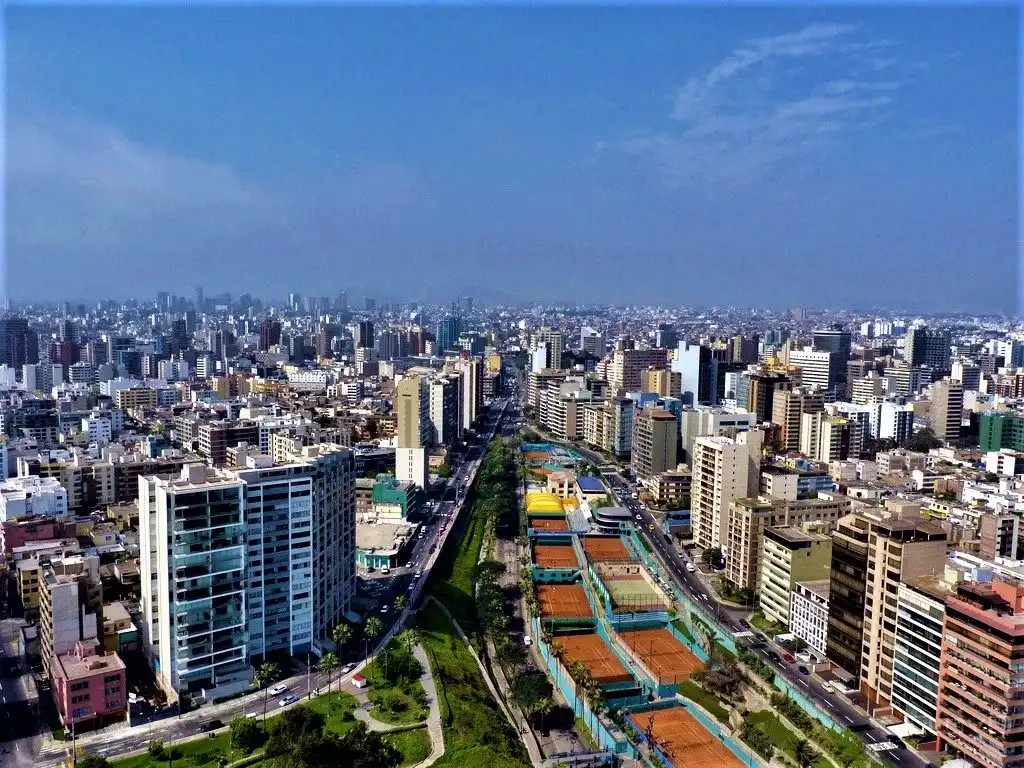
733 127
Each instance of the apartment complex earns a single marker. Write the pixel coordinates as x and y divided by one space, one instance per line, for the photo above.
947 411
724 469
655 438
808 614
787 411
918 650
979 714
609 426
627 365
790 555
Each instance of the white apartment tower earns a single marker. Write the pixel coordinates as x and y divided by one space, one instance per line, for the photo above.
724 469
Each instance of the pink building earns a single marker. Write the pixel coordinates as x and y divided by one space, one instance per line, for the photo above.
18 533
89 689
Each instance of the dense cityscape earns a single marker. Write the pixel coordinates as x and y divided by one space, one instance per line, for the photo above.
617 534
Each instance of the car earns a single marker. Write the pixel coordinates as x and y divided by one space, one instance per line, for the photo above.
788 658
418 574
803 670
527 641
773 656
252 715
827 688
385 608
690 567
638 517
286 700
210 725
277 690
347 668
385 570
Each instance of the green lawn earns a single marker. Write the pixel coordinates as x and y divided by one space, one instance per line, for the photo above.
396 704
684 630
761 622
783 738
476 733
703 698
201 753
451 579
413 744
586 735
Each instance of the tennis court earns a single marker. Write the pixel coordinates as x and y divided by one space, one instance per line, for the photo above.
598 657
548 523
555 556
632 592
669 660
563 601
683 740
605 549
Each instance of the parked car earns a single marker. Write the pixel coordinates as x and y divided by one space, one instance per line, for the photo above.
385 608
690 568
803 670
278 689
827 688
788 658
773 656
210 725
347 668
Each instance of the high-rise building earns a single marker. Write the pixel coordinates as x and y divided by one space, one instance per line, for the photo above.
270 334
917 654
662 381
555 341
412 406
19 344
666 337
837 341
827 438
928 347
364 337
867 389
978 711
627 365
743 349
698 383
1003 429
790 556
591 342
444 410
709 421
655 438
724 469
788 409
761 389
947 410
817 369
448 329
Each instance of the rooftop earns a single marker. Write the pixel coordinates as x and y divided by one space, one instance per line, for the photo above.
78 666
382 537
589 484
821 588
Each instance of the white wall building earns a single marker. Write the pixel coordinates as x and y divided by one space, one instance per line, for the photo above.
32 496
724 469
808 614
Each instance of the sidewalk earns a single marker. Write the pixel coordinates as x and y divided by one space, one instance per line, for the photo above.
432 723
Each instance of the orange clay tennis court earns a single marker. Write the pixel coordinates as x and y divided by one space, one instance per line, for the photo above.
598 657
563 601
554 556
605 549
669 660
683 740
536 456
548 523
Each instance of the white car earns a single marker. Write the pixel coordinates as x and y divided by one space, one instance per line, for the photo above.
690 567
638 517
385 608
286 700
527 641
277 690
347 668
827 688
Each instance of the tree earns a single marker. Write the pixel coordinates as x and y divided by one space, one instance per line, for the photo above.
923 441
544 708
400 602
408 638
157 750
93 761
373 627
328 663
297 737
246 734
266 675
341 635
530 690
711 556
363 748
444 471
806 755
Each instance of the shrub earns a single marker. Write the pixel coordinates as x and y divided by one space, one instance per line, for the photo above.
157 750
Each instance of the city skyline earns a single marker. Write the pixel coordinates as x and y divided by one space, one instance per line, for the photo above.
680 156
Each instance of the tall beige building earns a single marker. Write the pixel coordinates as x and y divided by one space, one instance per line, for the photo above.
412 406
655 438
556 341
867 389
899 549
627 365
788 409
724 469
748 519
663 381
825 438
947 412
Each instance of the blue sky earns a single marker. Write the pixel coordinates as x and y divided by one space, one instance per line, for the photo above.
817 157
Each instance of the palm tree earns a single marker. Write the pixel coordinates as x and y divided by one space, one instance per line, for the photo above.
805 753
329 663
543 708
268 673
373 627
341 635
400 602
409 638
